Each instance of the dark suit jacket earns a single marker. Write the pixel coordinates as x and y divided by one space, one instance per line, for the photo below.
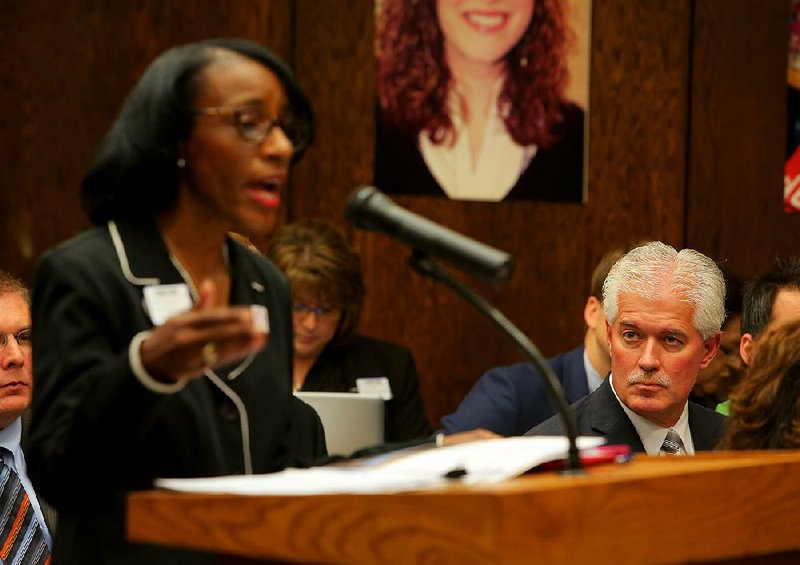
599 414
337 369
49 513
97 433
511 400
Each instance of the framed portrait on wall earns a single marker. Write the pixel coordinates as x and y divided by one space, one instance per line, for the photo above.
483 100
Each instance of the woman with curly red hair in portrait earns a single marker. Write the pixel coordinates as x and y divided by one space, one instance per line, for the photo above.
471 101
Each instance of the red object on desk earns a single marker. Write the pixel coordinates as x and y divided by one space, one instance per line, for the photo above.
618 453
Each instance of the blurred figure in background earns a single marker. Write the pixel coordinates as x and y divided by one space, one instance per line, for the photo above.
772 298
19 505
715 382
327 293
511 400
765 406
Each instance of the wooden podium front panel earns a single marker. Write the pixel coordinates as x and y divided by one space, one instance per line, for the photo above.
660 510
653 510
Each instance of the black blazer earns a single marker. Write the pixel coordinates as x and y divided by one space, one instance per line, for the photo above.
599 414
337 369
97 433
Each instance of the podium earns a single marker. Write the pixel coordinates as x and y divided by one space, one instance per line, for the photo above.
721 507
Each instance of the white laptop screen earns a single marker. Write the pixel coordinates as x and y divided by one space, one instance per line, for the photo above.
351 421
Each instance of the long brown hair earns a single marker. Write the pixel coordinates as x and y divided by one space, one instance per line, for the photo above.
414 79
765 405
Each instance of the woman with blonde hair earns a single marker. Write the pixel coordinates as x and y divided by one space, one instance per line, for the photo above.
329 355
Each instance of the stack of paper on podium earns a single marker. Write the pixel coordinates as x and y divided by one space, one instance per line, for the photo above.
475 462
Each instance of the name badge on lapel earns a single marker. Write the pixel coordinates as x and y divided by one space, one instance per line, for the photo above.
374 386
162 301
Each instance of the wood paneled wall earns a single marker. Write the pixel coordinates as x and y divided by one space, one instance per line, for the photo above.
734 211
65 68
685 135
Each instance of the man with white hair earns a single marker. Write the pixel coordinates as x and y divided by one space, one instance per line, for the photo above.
664 310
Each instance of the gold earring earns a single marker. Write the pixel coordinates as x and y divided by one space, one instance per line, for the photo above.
181 162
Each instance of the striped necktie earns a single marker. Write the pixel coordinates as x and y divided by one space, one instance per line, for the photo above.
21 538
673 444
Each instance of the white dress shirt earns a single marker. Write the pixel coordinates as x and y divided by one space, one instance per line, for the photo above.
593 378
651 434
497 165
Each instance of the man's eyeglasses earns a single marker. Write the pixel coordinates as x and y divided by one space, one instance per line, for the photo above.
23 338
318 311
253 127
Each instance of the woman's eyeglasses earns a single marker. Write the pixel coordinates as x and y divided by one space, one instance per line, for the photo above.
23 338
254 128
318 311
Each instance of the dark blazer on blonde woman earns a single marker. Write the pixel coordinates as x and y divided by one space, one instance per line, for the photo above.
337 369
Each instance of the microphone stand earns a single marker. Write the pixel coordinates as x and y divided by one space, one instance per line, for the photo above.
423 264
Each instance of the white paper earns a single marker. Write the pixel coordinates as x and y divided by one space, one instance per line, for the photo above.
374 386
485 461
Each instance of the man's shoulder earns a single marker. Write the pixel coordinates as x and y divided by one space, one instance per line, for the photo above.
702 416
527 372
568 362
706 414
596 402
706 425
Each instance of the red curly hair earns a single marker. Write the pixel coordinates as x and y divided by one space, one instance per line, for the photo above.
414 79
765 405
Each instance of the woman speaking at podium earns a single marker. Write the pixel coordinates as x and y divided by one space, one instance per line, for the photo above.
162 346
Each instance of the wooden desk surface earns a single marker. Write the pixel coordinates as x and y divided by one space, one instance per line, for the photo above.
652 510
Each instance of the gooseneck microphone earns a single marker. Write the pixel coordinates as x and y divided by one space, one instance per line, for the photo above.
370 209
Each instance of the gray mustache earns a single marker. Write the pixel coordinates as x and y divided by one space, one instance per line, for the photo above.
640 376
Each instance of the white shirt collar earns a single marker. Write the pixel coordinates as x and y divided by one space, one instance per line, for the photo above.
498 164
593 378
651 434
10 438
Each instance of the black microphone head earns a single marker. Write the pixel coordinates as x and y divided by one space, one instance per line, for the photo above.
368 208
358 207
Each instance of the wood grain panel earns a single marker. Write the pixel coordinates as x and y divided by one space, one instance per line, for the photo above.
65 68
636 167
738 134
714 507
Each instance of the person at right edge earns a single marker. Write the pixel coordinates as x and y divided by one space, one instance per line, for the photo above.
664 310
153 354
